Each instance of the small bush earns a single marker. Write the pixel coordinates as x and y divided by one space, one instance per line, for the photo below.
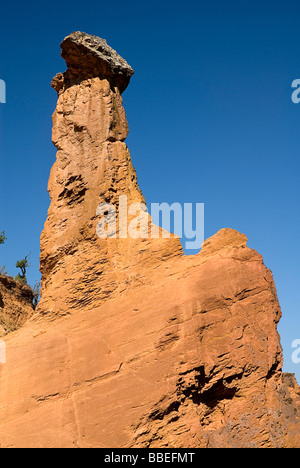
3 271
21 278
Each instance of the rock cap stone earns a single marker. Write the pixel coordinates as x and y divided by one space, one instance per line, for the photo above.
88 56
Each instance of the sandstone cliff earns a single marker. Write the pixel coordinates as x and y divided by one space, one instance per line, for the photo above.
135 344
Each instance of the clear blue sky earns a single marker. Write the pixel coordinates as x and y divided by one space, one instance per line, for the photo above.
210 114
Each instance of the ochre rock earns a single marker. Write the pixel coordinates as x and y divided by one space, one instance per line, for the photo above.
135 344
16 304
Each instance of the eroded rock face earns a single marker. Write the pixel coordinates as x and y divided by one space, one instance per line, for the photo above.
135 344
16 304
189 357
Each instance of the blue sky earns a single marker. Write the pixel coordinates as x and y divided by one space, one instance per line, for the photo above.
210 114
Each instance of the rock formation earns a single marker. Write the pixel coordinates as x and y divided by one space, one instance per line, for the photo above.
93 166
135 344
16 304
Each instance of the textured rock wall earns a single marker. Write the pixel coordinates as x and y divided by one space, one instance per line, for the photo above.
189 357
16 304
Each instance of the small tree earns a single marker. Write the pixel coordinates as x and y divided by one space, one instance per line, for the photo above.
2 237
36 293
23 265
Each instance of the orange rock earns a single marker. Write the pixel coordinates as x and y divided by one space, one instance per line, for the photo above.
135 344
